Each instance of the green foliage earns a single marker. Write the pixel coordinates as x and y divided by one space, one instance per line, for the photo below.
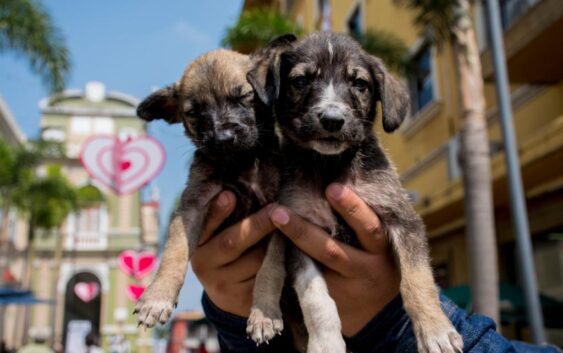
256 27
390 48
435 18
27 29
89 196
49 199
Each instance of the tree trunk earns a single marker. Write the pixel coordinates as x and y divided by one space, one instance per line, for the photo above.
476 166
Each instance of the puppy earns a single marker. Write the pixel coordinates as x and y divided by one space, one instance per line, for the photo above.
236 150
324 89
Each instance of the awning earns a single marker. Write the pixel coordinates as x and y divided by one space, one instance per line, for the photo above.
13 296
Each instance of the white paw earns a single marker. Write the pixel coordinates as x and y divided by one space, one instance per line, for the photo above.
262 327
154 307
327 343
439 339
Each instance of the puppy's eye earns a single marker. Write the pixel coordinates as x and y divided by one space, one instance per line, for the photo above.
190 113
300 81
360 84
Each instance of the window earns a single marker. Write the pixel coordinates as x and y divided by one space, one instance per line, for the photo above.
512 10
89 220
103 125
53 134
81 125
325 16
355 26
421 81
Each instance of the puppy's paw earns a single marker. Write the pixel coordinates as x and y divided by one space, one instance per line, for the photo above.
155 306
263 326
327 343
438 337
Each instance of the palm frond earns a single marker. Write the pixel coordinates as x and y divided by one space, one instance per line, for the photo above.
390 48
435 18
27 28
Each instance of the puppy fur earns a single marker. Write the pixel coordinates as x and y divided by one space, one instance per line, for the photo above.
236 150
324 91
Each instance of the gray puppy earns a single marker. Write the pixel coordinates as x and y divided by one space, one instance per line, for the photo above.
323 90
236 150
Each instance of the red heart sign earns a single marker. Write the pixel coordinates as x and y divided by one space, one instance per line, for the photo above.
137 264
124 166
134 292
86 291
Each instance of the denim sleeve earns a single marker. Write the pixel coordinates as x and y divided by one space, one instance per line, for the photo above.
231 332
391 331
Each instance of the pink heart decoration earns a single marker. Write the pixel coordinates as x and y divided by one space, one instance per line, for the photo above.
134 291
124 166
86 291
137 264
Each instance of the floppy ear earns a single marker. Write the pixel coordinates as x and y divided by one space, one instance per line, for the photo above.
392 95
264 75
162 104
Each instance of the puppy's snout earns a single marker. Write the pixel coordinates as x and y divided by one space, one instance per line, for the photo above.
332 120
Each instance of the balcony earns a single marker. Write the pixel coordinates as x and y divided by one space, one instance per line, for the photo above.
532 41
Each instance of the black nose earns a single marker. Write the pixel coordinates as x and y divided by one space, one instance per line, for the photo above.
225 136
331 121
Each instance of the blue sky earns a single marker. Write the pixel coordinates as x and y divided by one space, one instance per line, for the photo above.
132 46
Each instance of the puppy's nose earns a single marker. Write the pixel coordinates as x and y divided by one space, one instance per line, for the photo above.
331 120
225 136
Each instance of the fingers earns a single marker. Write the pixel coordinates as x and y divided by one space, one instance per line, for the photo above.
314 241
221 207
229 245
359 216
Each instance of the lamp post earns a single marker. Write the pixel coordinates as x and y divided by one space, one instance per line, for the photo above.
518 203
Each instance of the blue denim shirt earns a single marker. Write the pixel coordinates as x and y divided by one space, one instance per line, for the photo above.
389 331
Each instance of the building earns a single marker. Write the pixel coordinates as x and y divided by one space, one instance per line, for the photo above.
12 262
86 248
425 149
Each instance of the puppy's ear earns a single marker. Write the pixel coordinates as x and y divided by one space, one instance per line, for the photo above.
392 95
264 74
162 104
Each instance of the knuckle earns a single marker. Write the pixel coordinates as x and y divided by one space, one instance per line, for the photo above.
374 229
352 209
298 231
260 222
228 243
332 252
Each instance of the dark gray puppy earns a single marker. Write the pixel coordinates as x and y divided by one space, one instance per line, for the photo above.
236 150
324 89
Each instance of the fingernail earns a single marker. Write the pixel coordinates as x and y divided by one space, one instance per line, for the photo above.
336 191
280 216
223 200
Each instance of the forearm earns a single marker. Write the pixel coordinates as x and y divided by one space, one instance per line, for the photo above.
231 332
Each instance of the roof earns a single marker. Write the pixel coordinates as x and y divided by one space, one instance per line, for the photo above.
110 103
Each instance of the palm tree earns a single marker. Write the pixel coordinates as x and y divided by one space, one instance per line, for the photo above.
449 21
390 48
256 27
27 28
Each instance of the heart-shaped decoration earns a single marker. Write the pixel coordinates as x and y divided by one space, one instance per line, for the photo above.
86 291
134 291
124 166
137 264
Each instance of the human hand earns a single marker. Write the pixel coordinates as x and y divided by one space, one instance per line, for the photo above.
226 263
361 281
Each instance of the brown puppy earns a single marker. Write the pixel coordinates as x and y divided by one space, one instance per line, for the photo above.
236 150
324 89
